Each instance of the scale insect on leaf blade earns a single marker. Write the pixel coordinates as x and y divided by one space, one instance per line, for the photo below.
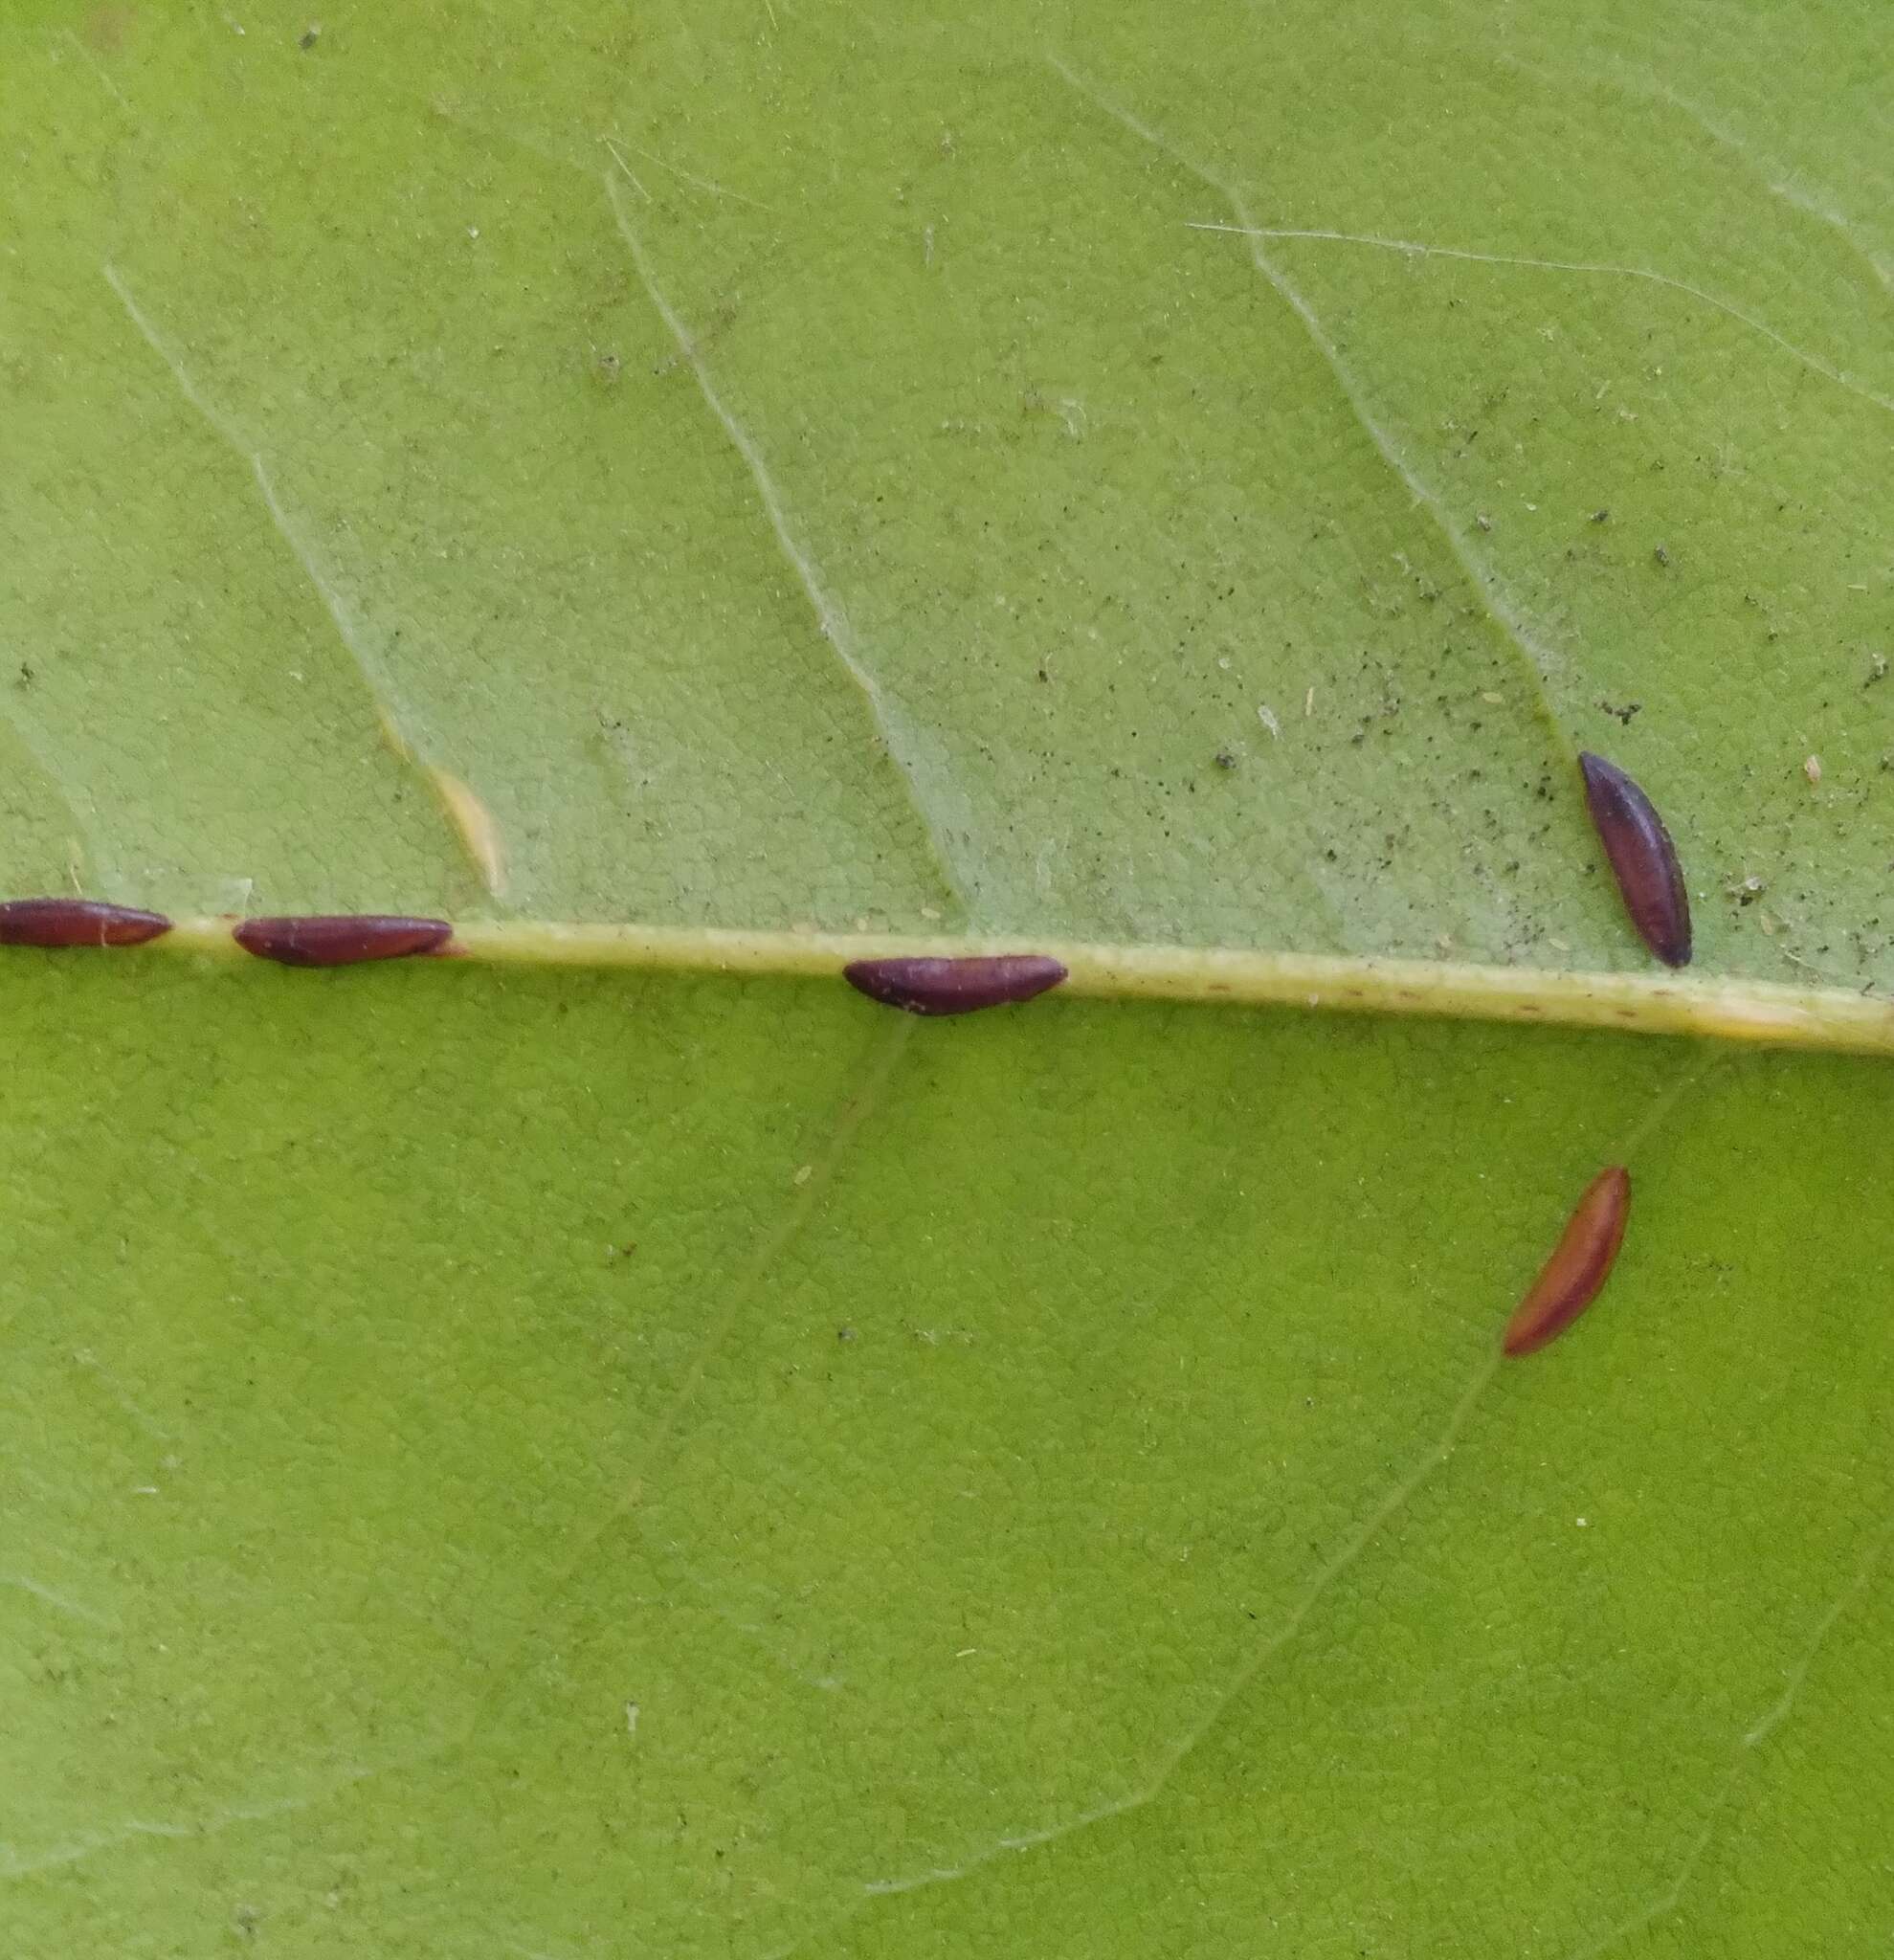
1644 860
1580 1264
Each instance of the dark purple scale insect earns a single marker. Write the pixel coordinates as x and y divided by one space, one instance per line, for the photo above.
341 939
1580 1264
954 986
1642 860
77 921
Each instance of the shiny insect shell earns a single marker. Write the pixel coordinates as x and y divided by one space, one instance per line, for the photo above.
77 921
1580 1264
953 986
340 939
1644 860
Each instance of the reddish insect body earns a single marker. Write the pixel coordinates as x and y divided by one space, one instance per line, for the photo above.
1580 1264
339 940
954 986
1644 860
77 921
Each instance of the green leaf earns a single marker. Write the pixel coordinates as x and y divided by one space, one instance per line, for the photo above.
507 1457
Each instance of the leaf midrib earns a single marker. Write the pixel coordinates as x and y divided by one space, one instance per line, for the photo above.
1750 1013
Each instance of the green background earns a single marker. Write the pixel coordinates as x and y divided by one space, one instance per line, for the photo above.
527 1462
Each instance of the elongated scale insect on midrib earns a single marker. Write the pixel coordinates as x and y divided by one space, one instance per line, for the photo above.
77 921
1644 860
340 939
1580 1264
954 985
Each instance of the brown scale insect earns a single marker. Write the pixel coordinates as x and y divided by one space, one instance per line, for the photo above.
77 921
1644 860
339 940
954 986
1580 1264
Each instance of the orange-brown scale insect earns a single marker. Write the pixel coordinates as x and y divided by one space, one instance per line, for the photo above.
1644 860
954 986
339 940
77 921
1580 1264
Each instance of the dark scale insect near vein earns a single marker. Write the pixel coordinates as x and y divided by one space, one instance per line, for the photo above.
77 921
954 986
339 940
1642 858
1580 1264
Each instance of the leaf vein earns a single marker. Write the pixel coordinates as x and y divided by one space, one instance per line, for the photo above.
1357 1543
1535 658
395 720
1723 1804
1414 248
897 739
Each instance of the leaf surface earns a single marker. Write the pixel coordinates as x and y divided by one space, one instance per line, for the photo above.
509 1459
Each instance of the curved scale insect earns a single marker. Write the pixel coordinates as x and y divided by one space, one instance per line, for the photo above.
1580 1264
1644 860
954 985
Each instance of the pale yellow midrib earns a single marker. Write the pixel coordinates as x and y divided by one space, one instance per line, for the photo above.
1746 1011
